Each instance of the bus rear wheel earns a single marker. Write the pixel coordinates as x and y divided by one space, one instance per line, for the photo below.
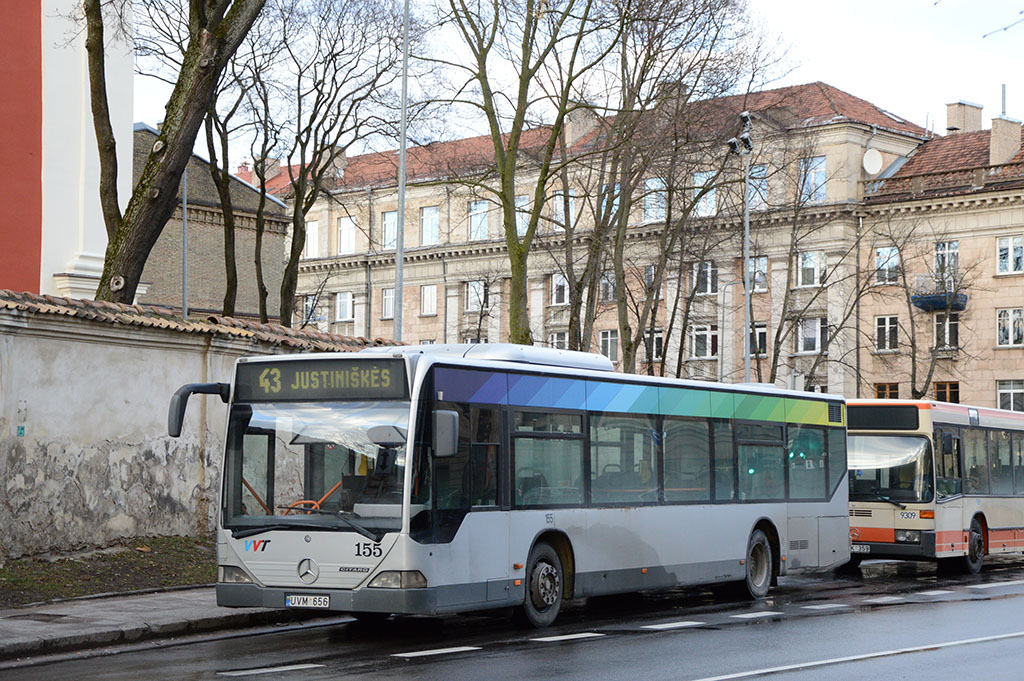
544 587
971 563
758 565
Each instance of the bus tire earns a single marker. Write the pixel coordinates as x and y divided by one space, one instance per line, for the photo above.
545 584
758 565
971 563
852 564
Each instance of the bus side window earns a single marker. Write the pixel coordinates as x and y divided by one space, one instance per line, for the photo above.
948 480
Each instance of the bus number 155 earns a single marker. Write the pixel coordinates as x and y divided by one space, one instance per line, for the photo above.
368 550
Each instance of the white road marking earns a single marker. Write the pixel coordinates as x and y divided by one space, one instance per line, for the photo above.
437 651
826 606
270 670
751 615
996 585
567 637
884 599
673 625
865 656
936 592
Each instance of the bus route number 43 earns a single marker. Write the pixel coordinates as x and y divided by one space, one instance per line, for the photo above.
368 550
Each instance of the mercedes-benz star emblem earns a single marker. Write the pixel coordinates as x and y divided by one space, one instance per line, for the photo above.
308 570
854 533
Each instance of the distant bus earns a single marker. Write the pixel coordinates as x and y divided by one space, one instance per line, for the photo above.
935 481
439 479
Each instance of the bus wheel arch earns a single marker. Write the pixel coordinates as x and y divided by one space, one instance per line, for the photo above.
772 533
977 545
547 580
563 547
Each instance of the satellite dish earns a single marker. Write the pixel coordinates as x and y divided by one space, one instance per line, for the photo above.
872 161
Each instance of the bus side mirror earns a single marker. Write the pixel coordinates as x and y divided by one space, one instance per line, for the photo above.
176 412
446 433
947 443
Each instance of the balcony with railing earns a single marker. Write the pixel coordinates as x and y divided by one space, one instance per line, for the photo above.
935 291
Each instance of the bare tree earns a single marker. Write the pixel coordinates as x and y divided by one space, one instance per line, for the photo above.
215 29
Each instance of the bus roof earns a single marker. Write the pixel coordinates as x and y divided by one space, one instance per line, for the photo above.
945 412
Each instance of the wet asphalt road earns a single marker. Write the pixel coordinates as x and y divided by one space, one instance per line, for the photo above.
889 621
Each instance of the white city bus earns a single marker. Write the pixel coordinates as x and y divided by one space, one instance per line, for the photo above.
935 481
439 479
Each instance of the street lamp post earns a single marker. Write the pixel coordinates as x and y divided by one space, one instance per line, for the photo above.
721 327
744 145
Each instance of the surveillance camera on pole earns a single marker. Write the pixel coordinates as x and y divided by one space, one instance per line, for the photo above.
748 144
745 117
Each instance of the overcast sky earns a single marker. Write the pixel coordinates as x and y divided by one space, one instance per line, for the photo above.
910 57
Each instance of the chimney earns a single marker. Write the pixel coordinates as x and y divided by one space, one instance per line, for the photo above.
963 117
243 172
579 122
271 167
1005 141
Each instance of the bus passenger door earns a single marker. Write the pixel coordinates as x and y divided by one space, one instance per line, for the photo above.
949 509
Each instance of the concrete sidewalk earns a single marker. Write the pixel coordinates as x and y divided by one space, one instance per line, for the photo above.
116 619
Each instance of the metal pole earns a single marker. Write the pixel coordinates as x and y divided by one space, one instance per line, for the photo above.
746 267
184 243
400 236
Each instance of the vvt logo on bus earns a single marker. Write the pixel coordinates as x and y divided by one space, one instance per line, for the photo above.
255 545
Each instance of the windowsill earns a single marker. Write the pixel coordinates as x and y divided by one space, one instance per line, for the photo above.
559 304
429 314
807 286
885 283
806 353
713 358
387 319
344 321
1004 275
706 293
885 352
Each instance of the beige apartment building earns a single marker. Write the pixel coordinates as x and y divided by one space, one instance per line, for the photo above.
853 210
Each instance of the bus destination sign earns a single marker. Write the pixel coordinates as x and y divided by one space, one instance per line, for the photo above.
321 379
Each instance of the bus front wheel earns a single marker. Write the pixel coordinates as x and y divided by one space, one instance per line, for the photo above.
971 563
758 565
544 587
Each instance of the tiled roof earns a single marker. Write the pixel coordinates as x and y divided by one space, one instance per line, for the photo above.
797 105
308 340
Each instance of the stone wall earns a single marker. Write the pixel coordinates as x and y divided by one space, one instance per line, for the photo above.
85 459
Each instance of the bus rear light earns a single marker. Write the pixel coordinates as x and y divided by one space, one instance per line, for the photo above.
928 515
908 536
230 574
404 579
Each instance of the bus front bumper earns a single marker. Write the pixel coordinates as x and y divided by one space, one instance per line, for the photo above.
922 551
397 601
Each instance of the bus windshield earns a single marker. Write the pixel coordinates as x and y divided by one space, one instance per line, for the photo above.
890 467
324 465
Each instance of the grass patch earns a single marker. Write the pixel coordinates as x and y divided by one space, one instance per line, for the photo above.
148 563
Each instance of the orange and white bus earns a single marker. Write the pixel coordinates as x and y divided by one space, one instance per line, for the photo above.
935 481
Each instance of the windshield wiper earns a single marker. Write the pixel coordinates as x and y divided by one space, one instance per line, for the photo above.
341 515
238 534
881 496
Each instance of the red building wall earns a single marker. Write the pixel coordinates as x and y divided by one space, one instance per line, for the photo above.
21 125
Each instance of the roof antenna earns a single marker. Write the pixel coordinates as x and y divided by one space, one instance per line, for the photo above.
1004 100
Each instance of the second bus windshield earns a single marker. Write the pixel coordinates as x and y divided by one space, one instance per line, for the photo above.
897 467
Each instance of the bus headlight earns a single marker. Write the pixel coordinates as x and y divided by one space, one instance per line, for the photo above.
230 574
908 536
394 579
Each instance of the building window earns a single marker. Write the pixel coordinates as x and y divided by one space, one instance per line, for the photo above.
1011 395
476 296
759 339
346 235
947 261
559 340
1010 255
654 343
813 336
387 303
343 306
887 332
947 391
390 222
758 266
609 202
654 199
478 220
947 330
474 338
428 341
1010 327
655 293
308 309
704 204
522 215
757 190
703 341
812 179
559 289
610 344
887 391
430 225
428 299
559 216
811 268
705 277
312 239
887 265
609 290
